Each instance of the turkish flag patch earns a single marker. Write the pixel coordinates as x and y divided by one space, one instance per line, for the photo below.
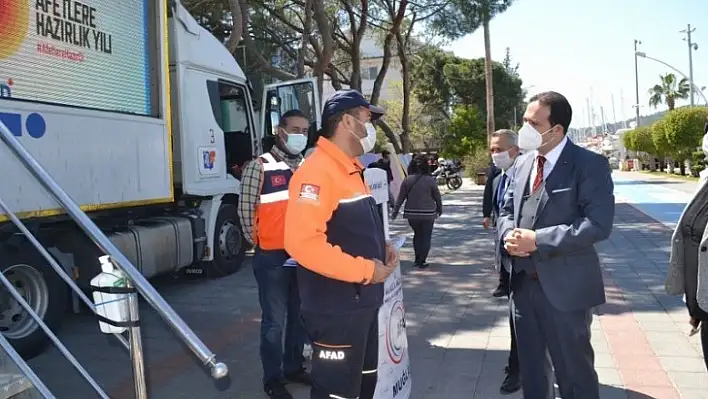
278 180
310 191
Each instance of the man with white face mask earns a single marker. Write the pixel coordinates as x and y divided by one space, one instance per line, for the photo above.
559 204
262 206
504 150
334 231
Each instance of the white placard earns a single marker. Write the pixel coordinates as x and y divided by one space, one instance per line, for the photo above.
394 371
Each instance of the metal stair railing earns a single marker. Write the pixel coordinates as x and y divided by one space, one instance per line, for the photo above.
25 369
135 280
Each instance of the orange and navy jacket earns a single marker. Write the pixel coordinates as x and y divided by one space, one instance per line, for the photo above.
334 231
272 203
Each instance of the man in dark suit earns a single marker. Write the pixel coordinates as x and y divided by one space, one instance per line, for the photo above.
504 149
559 204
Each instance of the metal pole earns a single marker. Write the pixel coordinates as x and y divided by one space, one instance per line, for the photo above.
37 383
218 370
136 345
696 88
636 78
688 32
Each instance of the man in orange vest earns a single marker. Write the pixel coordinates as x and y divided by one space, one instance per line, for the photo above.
262 205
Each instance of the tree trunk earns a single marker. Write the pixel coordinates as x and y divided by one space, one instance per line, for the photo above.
391 135
405 74
307 29
238 25
488 75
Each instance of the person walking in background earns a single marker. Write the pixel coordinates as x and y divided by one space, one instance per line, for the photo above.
334 231
420 193
384 163
261 209
504 149
688 265
558 205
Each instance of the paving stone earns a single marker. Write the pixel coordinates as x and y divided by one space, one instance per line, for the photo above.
458 334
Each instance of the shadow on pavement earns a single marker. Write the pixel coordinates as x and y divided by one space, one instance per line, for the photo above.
458 333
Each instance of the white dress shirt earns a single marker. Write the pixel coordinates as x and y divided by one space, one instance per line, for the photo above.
551 161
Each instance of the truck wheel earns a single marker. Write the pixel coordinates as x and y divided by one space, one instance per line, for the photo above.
229 248
44 291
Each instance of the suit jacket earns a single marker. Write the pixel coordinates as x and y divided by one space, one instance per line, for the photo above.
575 211
487 201
697 302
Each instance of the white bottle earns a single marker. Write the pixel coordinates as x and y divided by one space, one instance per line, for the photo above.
109 305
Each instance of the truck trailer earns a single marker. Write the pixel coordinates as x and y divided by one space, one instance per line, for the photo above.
145 119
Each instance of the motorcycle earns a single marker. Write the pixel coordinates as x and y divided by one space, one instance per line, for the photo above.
449 175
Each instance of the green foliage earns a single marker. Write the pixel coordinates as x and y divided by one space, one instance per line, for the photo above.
642 140
684 130
444 81
425 124
662 146
477 161
698 163
466 133
628 141
462 17
668 91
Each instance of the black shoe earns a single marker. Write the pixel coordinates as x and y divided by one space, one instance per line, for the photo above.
501 291
276 390
512 382
299 377
421 265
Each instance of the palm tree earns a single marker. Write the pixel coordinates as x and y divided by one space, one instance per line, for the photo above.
668 91
488 9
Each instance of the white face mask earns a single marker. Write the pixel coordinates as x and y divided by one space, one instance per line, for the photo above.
529 138
369 141
295 143
502 160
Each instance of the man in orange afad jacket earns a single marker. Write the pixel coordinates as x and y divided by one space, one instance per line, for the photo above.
334 231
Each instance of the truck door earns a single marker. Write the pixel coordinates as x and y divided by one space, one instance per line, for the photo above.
279 98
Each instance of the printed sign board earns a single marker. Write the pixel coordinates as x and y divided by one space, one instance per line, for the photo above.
394 372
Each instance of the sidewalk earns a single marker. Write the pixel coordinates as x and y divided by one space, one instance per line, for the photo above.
458 334
460 344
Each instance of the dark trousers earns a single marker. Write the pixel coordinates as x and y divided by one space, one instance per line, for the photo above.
504 277
280 313
543 330
345 353
513 365
422 234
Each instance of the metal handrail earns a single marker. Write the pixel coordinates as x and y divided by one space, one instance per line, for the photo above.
26 369
63 349
207 357
53 263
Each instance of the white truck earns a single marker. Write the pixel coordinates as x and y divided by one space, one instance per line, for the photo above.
145 119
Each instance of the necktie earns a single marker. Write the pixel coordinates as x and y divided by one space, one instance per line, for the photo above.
540 161
500 191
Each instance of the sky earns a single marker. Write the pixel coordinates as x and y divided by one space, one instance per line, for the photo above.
585 49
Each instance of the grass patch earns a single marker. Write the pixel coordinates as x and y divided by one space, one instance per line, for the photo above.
669 175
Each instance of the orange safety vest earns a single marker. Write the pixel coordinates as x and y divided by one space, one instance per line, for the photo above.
273 202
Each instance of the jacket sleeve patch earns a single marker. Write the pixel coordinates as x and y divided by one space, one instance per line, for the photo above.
310 191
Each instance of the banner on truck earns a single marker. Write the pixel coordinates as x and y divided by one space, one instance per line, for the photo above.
88 53
394 372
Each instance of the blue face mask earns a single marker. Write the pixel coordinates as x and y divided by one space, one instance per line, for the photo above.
295 143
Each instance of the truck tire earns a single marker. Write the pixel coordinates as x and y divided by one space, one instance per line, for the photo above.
41 287
229 248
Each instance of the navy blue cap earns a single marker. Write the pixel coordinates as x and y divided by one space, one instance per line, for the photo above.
343 100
